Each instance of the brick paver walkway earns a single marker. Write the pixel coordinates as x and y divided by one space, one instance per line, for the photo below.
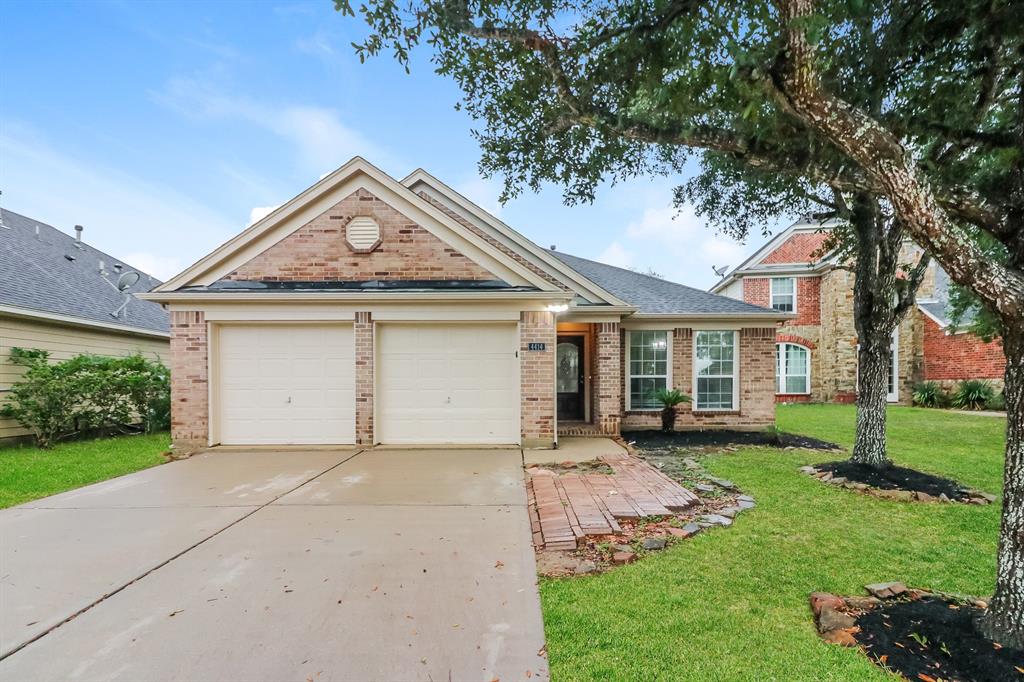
566 508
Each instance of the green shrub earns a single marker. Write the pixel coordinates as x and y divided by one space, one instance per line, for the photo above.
87 393
973 394
669 398
998 403
929 394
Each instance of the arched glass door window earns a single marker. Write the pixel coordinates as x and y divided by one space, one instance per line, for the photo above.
792 369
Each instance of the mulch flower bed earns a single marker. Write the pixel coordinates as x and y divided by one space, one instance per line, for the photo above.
691 439
895 483
919 634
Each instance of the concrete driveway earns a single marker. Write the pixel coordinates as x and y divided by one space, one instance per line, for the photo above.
314 565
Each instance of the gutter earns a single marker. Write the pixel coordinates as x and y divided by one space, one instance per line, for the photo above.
28 313
352 296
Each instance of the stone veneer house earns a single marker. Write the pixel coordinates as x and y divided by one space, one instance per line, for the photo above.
368 310
816 352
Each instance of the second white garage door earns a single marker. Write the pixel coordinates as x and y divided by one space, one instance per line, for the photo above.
447 383
286 384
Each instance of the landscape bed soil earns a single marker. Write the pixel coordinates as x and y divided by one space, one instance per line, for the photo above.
690 439
896 478
932 638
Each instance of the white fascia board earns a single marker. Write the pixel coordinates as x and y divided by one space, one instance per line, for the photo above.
514 239
310 203
15 311
772 244
371 297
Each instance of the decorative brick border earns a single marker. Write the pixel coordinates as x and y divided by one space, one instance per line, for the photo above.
974 496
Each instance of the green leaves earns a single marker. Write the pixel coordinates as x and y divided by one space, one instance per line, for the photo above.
87 393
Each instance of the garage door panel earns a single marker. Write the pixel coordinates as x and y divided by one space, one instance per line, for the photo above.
447 383
286 384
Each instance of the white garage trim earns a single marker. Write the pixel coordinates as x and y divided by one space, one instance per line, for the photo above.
331 431
480 416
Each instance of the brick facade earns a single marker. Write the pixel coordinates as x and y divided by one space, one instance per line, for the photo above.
801 247
189 382
364 349
607 377
537 369
757 291
949 358
756 385
318 251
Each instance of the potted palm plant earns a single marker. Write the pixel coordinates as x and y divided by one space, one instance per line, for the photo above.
669 398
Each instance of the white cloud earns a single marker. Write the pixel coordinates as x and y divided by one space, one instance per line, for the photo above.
318 133
161 267
616 255
258 213
123 215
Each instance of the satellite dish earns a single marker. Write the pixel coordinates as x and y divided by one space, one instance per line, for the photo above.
720 271
127 280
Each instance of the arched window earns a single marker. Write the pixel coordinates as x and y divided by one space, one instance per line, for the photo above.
792 369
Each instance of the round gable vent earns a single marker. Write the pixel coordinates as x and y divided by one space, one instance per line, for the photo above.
362 233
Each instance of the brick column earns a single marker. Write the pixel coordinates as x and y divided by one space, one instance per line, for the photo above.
608 377
189 382
364 378
537 369
757 376
682 369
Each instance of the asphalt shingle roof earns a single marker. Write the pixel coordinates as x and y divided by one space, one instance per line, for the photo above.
652 295
35 273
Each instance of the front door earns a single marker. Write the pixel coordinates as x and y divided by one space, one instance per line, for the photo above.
569 375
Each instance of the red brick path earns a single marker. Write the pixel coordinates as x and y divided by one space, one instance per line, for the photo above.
567 508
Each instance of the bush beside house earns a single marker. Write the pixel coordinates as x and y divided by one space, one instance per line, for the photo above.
87 393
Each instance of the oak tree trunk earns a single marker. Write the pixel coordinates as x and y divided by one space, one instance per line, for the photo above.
873 362
1004 622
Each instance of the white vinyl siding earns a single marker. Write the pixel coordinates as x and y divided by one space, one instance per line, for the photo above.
784 294
792 369
715 369
648 368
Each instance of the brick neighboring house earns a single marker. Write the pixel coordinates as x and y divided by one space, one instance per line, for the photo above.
816 352
370 310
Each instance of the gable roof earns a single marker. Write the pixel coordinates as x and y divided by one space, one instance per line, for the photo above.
496 229
355 174
36 274
753 264
654 296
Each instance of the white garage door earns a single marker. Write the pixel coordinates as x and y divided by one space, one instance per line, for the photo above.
447 383
286 384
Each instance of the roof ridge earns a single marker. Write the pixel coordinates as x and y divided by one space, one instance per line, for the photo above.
640 274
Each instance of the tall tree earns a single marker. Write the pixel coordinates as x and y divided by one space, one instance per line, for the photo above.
577 92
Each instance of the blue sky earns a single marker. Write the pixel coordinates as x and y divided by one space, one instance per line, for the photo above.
160 127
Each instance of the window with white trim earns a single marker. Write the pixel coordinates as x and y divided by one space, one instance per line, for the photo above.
715 370
792 369
648 368
784 294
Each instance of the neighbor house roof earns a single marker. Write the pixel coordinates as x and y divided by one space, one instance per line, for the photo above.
44 270
655 296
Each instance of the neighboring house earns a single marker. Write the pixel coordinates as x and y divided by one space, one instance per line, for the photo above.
59 294
368 310
816 356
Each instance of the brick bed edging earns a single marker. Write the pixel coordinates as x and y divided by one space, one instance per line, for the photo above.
835 617
973 496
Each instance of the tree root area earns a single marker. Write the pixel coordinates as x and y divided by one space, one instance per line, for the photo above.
932 638
898 478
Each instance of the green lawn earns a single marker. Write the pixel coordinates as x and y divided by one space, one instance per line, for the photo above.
28 473
731 604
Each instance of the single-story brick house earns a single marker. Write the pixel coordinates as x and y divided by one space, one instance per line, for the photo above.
816 357
369 310
59 294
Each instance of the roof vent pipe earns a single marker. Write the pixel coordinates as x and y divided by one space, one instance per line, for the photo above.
78 233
